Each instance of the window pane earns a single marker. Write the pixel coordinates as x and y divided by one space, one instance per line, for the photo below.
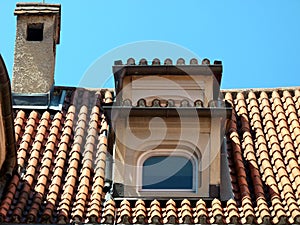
167 172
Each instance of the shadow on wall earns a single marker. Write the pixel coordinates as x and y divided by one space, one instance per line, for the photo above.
7 134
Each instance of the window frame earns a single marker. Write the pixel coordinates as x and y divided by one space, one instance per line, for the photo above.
168 153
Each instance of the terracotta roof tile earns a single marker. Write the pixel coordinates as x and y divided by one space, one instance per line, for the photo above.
280 167
26 139
62 160
19 123
124 213
9 197
155 212
109 212
87 166
31 168
232 212
186 212
98 180
139 212
200 212
108 97
216 212
57 176
170 214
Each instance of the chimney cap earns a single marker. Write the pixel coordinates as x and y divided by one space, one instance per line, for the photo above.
37 8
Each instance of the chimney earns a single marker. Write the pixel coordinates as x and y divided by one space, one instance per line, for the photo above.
38 33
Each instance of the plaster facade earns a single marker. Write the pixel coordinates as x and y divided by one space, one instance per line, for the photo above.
191 88
136 136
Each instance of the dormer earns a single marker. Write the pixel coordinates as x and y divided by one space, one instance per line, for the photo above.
194 82
169 125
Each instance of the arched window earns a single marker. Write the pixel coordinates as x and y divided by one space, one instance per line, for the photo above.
168 172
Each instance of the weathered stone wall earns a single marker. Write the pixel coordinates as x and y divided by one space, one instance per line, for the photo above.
34 61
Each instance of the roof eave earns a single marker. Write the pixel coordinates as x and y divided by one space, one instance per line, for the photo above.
128 111
120 71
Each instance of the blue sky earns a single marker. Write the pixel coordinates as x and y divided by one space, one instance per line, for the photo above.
258 41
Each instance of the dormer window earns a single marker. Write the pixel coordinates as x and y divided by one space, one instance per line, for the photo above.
163 173
169 134
168 170
35 32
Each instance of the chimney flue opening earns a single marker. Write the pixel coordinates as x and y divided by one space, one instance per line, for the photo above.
35 32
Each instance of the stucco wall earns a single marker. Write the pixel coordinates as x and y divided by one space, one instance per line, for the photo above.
135 138
34 60
178 88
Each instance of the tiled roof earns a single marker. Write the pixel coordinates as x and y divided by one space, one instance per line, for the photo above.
61 159
163 103
167 61
181 68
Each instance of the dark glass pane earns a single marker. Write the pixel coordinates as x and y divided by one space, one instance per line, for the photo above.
167 172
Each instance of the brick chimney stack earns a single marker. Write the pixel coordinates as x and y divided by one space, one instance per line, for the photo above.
38 33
